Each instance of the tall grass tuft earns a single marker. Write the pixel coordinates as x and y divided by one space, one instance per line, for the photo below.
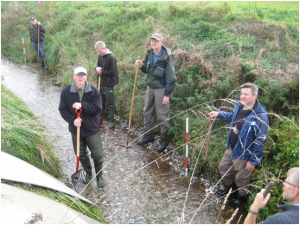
24 136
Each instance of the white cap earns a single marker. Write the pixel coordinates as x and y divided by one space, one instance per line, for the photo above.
80 70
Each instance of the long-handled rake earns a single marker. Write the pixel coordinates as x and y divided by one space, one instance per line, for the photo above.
79 176
136 72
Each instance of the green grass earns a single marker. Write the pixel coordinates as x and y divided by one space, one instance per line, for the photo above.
23 135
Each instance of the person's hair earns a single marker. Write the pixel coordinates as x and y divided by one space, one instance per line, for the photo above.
99 44
254 88
294 173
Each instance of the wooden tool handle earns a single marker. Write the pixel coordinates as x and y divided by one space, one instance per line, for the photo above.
99 81
267 190
132 100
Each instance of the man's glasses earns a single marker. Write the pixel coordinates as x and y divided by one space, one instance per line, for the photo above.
284 181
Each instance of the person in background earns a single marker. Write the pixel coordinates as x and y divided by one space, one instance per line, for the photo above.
81 94
107 67
290 214
249 126
37 37
161 80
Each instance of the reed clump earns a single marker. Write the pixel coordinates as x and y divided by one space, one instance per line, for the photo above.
24 136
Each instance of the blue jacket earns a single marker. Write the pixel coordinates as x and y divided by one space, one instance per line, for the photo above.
253 134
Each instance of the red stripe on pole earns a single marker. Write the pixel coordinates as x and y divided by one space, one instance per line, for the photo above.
77 166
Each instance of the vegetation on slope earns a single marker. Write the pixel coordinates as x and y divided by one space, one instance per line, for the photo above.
217 46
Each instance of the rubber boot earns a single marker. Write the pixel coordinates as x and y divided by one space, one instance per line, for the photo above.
41 62
85 162
226 190
98 167
111 114
44 63
162 146
241 200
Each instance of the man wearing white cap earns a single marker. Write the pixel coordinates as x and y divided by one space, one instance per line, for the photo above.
81 94
161 80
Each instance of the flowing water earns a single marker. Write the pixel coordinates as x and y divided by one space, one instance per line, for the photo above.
134 192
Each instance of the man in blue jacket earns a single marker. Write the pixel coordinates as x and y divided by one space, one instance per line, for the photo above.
247 137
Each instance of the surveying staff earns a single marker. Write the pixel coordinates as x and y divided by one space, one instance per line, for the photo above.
107 68
81 94
37 36
245 143
290 214
161 80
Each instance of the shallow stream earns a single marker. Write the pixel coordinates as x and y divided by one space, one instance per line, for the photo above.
153 194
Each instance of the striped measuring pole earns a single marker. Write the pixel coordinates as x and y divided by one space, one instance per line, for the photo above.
187 147
24 50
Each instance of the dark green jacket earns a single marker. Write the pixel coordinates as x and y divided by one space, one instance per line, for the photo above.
162 73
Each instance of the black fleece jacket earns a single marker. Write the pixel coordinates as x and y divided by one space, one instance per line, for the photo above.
108 63
33 32
91 107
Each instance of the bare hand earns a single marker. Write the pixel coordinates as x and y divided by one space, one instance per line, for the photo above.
260 201
99 70
138 63
249 166
213 114
38 23
77 122
165 100
76 105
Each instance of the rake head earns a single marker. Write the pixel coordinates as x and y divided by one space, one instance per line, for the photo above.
77 180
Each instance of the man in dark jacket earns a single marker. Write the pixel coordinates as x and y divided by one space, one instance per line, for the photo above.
290 214
37 36
161 79
81 94
249 126
107 68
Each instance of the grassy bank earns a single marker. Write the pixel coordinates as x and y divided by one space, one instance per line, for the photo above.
24 136
217 46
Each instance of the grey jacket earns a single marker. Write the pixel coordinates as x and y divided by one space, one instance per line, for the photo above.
290 215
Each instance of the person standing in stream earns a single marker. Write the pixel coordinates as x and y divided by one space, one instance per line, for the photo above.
37 37
107 68
81 94
161 80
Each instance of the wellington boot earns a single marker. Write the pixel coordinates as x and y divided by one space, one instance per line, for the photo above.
41 62
162 146
111 125
44 62
100 181
240 201
111 115
87 178
85 162
226 190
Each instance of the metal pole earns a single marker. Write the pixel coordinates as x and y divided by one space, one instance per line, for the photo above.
187 147
24 50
